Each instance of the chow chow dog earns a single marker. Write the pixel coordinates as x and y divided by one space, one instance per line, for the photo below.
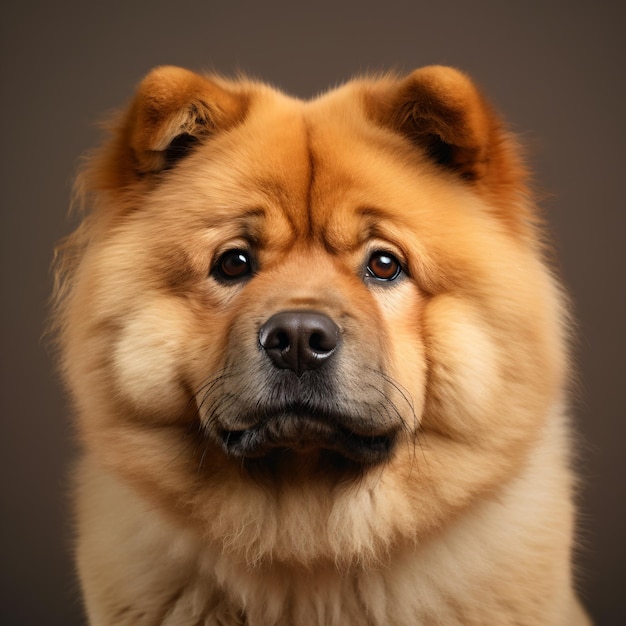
318 362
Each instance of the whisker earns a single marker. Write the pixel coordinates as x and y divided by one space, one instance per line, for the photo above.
201 460
412 435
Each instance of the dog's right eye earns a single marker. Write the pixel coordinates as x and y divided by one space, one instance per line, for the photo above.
383 266
233 265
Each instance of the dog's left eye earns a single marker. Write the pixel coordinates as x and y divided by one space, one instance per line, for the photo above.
383 266
233 265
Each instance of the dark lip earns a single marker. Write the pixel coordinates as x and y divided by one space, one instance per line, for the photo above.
302 431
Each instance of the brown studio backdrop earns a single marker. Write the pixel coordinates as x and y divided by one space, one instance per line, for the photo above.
555 69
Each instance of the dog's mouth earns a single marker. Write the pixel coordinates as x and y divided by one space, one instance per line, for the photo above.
303 431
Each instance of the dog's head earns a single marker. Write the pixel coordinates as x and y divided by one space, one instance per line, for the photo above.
309 329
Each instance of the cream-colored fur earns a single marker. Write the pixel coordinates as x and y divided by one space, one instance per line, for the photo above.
497 564
458 362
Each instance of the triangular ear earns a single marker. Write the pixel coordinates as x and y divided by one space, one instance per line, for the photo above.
172 110
439 109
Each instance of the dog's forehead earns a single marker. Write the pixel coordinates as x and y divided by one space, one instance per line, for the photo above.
300 170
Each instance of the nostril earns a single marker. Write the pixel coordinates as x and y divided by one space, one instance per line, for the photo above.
321 342
274 339
282 340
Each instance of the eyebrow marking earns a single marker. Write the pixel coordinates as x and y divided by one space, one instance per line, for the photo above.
377 213
242 218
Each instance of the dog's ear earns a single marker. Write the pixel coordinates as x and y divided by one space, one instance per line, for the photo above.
171 112
439 109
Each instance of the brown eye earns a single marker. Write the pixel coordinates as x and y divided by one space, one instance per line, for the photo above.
383 266
233 265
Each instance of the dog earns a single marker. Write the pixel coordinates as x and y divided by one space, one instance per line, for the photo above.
318 362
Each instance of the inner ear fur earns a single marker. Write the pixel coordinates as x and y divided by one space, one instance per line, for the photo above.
172 110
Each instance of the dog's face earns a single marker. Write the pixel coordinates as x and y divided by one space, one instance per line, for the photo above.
310 329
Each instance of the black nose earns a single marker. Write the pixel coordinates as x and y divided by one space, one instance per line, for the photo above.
299 340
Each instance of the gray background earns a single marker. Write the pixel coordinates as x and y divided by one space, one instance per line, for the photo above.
556 69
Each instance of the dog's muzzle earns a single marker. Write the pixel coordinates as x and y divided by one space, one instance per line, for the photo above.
301 406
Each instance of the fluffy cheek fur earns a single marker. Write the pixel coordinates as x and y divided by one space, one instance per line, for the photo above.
465 373
148 358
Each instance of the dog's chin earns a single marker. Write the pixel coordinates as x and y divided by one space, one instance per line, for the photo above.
306 434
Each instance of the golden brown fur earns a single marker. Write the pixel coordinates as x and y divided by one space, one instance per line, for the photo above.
458 364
